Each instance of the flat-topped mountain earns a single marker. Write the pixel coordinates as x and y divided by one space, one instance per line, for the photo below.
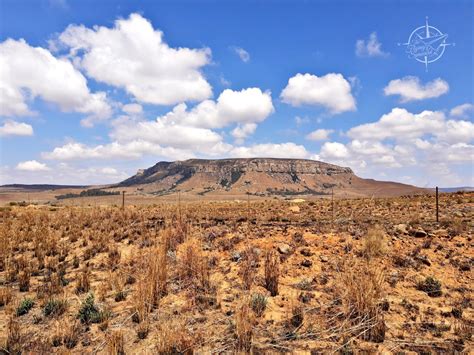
258 176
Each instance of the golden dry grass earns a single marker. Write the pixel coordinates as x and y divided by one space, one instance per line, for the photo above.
203 278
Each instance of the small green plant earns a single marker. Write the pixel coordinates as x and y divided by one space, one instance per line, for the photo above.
90 312
54 307
258 303
431 286
25 305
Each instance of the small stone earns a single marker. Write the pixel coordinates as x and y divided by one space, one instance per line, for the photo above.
420 233
284 248
307 263
423 259
323 258
306 252
401 228
236 256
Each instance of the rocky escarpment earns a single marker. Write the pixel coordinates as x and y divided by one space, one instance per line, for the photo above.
259 177
256 175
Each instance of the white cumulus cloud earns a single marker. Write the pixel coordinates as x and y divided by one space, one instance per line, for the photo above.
270 150
12 128
246 106
331 91
242 53
133 55
31 165
132 109
411 89
28 72
462 111
370 48
243 131
319 134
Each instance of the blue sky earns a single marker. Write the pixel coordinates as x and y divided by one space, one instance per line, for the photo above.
91 91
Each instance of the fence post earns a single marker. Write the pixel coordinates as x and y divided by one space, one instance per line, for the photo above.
123 200
437 205
332 205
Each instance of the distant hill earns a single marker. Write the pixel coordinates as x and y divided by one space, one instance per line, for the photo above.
456 189
41 187
259 176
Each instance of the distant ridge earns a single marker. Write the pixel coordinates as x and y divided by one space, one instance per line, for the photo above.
456 189
42 187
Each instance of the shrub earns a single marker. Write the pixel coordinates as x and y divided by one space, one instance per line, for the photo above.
258 303
54 307
90 312
25 305
431 286
272 272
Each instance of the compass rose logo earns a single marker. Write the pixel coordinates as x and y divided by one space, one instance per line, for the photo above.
426 44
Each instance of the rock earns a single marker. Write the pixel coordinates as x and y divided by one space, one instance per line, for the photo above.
236 256
307 263
323 258
423 259
306 252
284 248
420 233
401 228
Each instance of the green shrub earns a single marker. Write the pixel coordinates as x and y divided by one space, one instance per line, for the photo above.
258 303
55 307
90 312
25 306
431 286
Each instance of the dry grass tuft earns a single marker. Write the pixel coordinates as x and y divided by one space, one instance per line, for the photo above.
375 243
174 338
14 339
6 296
194 271
247 267
244 323
361 291
116 343
272 272
83 284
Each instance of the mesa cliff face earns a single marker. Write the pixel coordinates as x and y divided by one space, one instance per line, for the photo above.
258 176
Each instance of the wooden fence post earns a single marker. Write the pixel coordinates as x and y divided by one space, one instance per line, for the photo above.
437 205
123 200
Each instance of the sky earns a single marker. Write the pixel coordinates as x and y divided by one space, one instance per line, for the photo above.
92 91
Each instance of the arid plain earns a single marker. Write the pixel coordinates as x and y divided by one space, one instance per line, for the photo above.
310 276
